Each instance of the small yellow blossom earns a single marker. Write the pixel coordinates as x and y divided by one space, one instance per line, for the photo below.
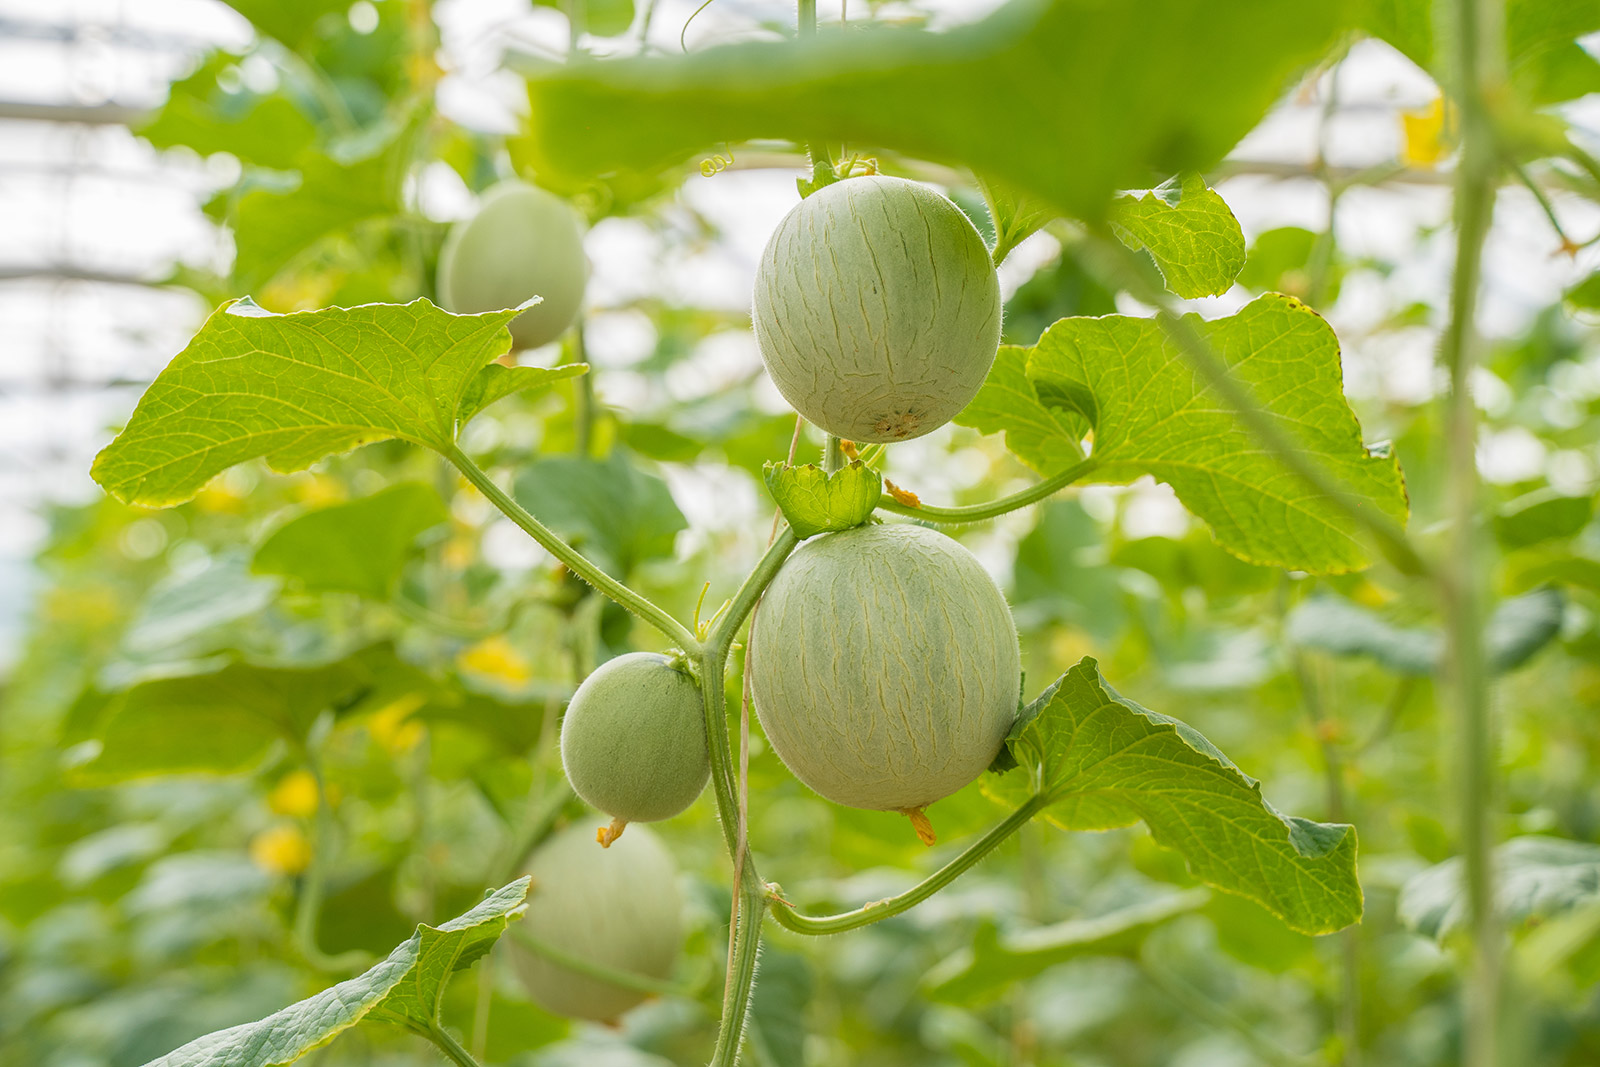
498 659
295 794
1428 135
281 849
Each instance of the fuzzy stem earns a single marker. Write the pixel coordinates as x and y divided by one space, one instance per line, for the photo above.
574 560
995 508
786 915
1477 73
450 1046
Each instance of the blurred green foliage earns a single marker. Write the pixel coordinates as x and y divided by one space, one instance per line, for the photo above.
231 766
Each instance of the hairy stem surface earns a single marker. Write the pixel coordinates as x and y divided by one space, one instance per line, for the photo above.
789 918
571 558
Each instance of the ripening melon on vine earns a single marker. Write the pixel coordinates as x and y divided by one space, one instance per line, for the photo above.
523 242
633 741
617 907
877 309
885 667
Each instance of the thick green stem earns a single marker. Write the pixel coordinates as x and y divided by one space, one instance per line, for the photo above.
995 508
1478 73
450 1046
574 560
832 454
744 938
745 944
787 917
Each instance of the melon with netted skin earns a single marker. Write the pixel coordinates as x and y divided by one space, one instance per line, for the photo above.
523 242
886 668
877 309
618 907
634 739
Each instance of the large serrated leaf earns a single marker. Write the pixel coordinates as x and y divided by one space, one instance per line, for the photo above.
294 388
405 988
1007 96
1188 230
1153 413
814 501
1048 439
1102 761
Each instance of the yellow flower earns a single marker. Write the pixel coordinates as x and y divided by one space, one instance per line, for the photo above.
295 794
281 849
496 658
1427 135
393 728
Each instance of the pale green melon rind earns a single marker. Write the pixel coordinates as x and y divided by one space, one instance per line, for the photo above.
618 907
523 242
877 309
633 741
886 667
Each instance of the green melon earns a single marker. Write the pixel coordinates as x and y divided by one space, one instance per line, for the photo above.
634 740
877 309
523 242
618 907
886 667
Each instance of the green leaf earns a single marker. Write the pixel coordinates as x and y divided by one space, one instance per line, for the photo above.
1007 96
1152 414
356 547
603 18
1539 36
295 388
995 961
1102 761
405 988
1015 217
1537 877
265 130
1280 260
496 382
292 22
1585 296
814 501
1542 516
614 513
272 226
1516 630
1048 439
1188 230
227 720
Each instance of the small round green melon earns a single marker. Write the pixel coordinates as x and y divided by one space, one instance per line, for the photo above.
634 739
886 667
877 309
523 242
618 907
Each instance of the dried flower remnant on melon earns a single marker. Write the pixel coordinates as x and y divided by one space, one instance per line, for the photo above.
902 496
922 825
605 835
